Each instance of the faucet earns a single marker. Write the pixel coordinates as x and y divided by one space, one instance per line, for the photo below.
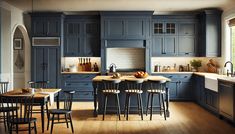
231 69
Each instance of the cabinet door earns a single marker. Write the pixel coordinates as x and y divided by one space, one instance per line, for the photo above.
37 64
187 46
187 29
51 61
72 41
170 28
53 27
173 87
158 27
211 100
158 46
114 28
39 27
170 45
134 28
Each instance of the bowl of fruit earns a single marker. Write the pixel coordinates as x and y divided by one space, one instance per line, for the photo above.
141 74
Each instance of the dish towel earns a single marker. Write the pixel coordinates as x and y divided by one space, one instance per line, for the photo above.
51 97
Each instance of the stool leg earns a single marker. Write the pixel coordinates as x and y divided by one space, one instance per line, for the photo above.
138 103
128 106
118 105
105 103
147 108
141 106
151 111
125 107
163 106
159 98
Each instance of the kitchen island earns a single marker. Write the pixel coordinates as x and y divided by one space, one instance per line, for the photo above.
98 97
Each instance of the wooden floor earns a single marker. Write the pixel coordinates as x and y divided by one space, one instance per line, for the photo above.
186 118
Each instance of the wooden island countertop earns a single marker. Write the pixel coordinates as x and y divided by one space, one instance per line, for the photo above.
123 78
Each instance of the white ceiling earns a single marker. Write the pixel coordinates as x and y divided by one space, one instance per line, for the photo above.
105 5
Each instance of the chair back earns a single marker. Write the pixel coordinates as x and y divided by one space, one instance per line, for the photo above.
157 84
3 87
68 101
20 108
38 84
111 84
135 84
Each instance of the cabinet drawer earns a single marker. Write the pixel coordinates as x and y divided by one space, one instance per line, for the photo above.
185 78
77 84
82 77
84 95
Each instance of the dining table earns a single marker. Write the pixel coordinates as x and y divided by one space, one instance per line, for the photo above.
41 97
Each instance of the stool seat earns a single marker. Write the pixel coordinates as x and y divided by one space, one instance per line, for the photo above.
134 91
157 91
111 91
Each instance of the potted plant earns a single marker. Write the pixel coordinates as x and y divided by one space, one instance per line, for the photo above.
195 64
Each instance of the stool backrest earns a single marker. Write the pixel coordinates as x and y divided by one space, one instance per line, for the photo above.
157 84
3 87
134 84
111 84
20 107
38 84
68 101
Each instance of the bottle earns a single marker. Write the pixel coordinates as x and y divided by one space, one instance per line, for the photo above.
96 68
89 64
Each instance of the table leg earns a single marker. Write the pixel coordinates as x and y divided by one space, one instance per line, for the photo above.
167 102
58 104
42 117
95 99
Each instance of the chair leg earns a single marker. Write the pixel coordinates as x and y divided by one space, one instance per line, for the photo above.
47 110
141 106
105 103
128 106
17 129
66 120
118 105
35 127
52 123
151 111
138 103
159 98
163 103
48 121
147 107
4 120
71 122
125 107
29 127
11 128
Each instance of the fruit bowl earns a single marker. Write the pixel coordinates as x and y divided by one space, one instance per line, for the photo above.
141 74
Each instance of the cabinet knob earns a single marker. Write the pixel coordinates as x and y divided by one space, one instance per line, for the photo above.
186 53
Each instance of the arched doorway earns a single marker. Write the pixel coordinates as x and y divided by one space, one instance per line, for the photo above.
21 57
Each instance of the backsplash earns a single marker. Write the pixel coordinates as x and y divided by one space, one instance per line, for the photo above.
170 61
68 61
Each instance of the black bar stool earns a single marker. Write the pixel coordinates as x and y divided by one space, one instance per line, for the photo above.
156 87
134 87
111 88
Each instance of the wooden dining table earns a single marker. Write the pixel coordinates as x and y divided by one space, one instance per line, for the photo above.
40 98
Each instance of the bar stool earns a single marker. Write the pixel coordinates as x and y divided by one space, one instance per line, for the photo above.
156 87
111 88
134 87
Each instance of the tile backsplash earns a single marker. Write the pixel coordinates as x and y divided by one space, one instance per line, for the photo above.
170 61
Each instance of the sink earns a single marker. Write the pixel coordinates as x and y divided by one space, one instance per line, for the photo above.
211 82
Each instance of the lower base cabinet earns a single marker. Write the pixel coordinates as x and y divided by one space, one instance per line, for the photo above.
211 101
227 100
81 83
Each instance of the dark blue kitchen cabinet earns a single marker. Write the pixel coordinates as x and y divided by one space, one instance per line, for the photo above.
125 25
81 36
210 33
81 83
46 24
199 89
211 100
46 65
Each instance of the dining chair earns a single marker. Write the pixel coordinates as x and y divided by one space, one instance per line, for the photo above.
157 87
22 115
39 84
111 88
66 111
133 87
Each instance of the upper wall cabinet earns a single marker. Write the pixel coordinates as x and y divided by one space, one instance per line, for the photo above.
125 25
210 33
46 24
174 35
82 36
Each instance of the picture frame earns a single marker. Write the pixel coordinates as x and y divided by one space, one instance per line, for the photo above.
18 44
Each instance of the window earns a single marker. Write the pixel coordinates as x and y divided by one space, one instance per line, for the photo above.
233 46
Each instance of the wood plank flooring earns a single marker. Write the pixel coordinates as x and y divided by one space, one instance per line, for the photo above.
186 118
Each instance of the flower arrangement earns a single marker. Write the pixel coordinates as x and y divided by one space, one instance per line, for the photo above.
196 64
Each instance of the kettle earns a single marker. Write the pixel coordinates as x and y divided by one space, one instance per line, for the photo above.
112 68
